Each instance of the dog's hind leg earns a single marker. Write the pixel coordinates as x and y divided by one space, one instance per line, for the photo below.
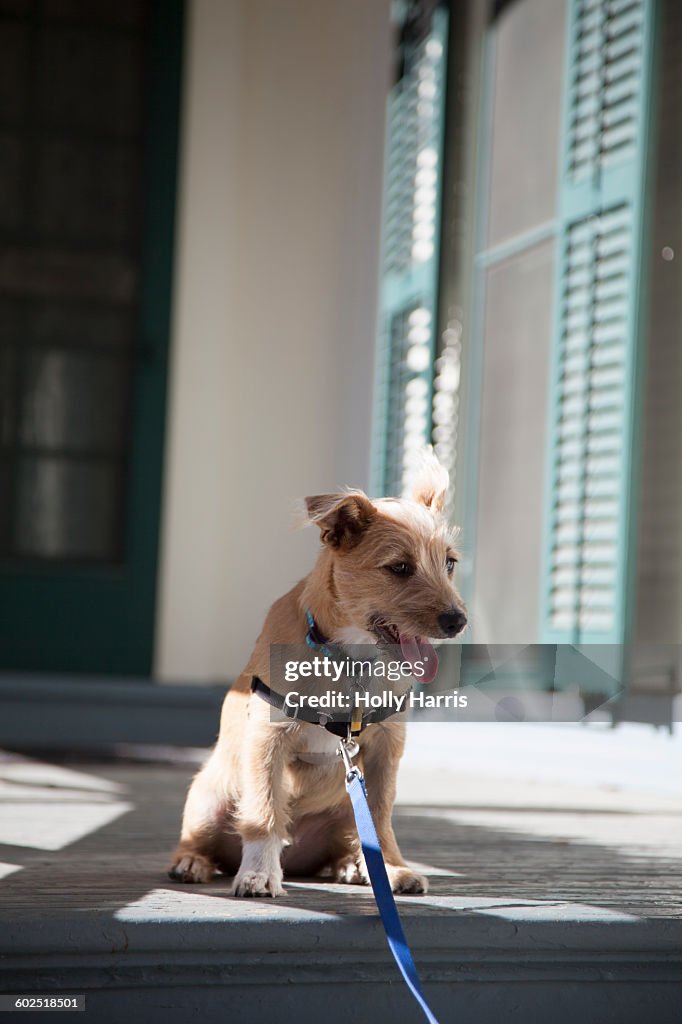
208 841
347 864
325 844
380 760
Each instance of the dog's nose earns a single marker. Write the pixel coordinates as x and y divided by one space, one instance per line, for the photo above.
452 622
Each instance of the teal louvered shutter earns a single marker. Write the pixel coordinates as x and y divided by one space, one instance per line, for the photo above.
597 347
410 250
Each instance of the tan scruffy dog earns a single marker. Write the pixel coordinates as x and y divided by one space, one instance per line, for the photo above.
259 809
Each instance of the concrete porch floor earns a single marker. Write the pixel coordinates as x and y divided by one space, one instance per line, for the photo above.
554 857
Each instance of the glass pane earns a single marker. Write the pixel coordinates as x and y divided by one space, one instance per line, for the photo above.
14 68
105 12
518 319
12 178
90 80
11 321
7 399
53 323
66 509
529 59
74 400
87 192
16 6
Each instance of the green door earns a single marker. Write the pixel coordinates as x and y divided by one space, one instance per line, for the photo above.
89 99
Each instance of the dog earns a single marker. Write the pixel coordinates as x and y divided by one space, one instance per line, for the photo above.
259 809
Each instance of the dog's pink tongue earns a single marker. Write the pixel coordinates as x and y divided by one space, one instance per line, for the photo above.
418 648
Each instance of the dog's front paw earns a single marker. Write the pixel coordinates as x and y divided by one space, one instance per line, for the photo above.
404 879
191 867
257 883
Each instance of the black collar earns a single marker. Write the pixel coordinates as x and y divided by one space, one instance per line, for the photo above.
339 724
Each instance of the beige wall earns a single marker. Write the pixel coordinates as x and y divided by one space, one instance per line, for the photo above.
275 302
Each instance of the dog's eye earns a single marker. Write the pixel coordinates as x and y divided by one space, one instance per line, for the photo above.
450 563
400 569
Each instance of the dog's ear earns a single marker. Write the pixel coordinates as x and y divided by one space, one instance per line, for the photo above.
430 486
342 518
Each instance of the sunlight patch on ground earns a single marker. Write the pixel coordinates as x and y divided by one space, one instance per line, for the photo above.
511 909
11 794
52 826
192 907
653 835
431 871
8 869
47 807
35 773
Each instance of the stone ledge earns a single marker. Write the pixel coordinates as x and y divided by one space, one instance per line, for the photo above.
283 966
535 929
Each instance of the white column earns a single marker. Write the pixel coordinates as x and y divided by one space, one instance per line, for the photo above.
275 307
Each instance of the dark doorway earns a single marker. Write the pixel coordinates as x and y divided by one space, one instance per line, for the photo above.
89 102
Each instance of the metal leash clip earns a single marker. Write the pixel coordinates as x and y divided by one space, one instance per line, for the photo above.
348 748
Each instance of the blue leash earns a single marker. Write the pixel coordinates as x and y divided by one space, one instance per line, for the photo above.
355 785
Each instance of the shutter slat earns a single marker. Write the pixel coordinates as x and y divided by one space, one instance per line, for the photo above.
604 86
586 541
409 276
